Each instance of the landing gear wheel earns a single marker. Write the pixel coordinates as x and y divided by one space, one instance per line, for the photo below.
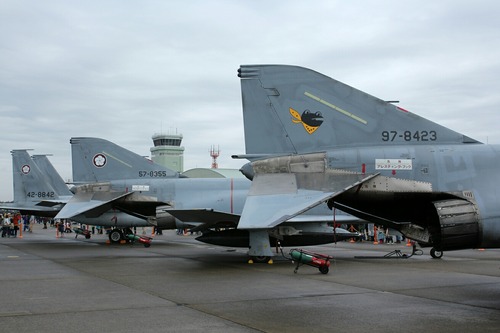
115 236
261 259
436 254
324 269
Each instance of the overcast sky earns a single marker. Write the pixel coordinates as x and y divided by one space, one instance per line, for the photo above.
124 70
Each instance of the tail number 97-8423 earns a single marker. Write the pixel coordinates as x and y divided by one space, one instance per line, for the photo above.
409 136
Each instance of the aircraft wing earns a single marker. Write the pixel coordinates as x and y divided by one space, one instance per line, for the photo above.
91 204
31 209
278 197
208 217
339 219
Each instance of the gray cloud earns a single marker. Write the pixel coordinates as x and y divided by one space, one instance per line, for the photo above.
125 70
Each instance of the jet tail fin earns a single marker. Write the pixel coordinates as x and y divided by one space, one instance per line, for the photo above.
294 110
30 186
99 160
51 175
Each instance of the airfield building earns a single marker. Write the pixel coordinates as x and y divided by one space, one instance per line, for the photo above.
167 151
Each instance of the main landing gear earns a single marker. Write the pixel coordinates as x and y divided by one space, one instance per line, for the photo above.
436 254
117 236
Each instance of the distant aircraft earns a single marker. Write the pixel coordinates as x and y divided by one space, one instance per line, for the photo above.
313 139
104 215
95 160
209 203
33 195
51 176
39 190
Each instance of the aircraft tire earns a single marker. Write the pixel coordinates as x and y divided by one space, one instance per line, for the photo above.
436 254
115 236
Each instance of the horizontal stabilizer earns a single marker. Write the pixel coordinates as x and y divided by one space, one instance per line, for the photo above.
52 203
31 209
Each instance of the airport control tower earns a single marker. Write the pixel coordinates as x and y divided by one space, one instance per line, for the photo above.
167 151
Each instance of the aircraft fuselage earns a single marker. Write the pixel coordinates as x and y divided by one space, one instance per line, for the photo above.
466 171
222 194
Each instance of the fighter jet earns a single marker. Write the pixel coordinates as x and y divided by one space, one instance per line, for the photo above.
39 190
118 180
312 139
33 195
120 222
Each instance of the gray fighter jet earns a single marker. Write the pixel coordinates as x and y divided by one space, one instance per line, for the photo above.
39 190
116 178
312 139
33 194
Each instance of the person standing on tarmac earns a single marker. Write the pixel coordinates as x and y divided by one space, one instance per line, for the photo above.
380 235
15 222
26 223
5 226
32 223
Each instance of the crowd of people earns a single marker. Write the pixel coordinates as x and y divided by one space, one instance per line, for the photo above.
374 233
13 222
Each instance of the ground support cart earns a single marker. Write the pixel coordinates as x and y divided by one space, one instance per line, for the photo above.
141 239
302 257
81 231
